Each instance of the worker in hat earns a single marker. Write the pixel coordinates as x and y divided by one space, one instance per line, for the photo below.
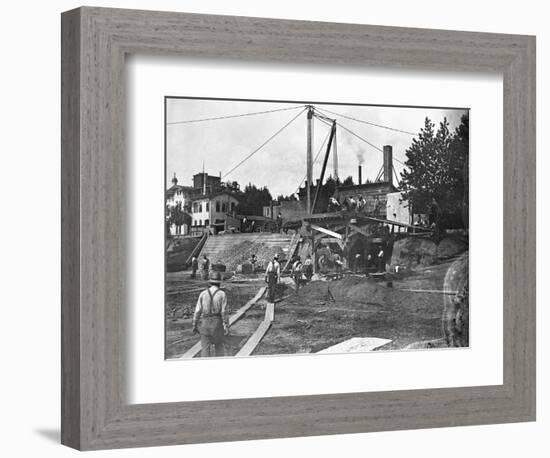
272 277
297 274
211 317
205 268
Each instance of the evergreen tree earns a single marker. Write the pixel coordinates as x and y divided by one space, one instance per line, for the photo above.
289 198
435 168
253 199
348 181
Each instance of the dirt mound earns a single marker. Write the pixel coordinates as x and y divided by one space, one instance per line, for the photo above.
413 252
362 290
451 247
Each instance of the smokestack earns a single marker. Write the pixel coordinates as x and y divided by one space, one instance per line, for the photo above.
360 178
388 164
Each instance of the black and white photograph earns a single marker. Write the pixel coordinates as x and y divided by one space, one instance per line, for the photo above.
314 228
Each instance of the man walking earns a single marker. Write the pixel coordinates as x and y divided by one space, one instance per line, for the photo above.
205 268
211 317
272 277
194 266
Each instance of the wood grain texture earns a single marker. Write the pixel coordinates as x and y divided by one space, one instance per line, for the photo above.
70 227
95 413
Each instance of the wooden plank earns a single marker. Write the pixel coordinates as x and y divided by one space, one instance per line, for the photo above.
195 349
327 231
396 223
258 335
191 353
239 313
254 340
196 251
293 244
270 312
359 230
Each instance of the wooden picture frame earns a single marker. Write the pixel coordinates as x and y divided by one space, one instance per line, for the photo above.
95 413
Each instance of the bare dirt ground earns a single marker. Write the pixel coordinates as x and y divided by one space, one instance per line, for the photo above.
320 315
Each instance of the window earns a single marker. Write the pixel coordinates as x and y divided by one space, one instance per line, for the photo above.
232 206
200 222
217 206
200 207
207 222
224 207
207 206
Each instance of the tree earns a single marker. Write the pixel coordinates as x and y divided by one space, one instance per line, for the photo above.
283 198
435 168
462 146
177 216
253 199
348 181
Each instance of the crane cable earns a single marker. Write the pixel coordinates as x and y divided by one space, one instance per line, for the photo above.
363 139
370 123
264 143
233 116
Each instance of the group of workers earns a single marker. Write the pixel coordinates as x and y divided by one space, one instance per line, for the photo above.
211 315
374 262
248 225
356 204
204 267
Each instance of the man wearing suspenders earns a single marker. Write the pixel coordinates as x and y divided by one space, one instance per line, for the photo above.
211 317
272 277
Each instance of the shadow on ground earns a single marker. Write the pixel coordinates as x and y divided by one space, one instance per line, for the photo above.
53 435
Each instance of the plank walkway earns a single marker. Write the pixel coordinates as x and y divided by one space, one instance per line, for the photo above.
195 349
255 338
291 249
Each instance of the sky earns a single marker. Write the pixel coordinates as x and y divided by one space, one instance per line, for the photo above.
281 164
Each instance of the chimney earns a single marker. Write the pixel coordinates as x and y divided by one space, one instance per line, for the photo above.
388 164
360 178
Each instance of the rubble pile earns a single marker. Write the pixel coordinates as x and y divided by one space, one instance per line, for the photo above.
412 252
241 253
